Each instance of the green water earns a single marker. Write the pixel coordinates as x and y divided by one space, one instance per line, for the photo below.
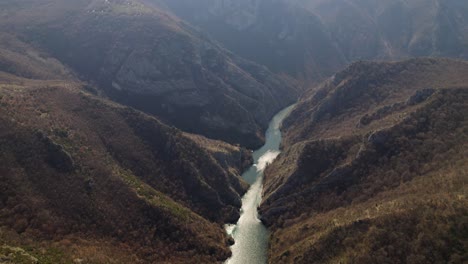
250 235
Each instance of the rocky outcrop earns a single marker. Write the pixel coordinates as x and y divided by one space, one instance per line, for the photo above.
57 157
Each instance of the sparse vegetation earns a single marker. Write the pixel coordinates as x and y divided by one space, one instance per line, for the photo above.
392 190
72 189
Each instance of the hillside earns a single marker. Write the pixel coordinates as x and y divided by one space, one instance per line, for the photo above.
368 91
374 168
312 39
17 57
145 58
84 179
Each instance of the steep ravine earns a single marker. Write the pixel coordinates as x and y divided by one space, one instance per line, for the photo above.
250 235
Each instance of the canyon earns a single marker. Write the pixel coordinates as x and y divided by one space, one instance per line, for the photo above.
127 130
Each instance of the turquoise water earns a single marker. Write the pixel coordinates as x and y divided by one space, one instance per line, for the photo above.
250 235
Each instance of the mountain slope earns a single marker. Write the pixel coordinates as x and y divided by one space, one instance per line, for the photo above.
374 168
19 58
84 179
147 59
365 88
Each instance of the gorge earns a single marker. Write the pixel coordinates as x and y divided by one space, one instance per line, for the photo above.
127 129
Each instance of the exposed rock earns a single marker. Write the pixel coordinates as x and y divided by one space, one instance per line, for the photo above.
378 138
420 96
57 157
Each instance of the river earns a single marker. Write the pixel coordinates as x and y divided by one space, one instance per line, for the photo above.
250 235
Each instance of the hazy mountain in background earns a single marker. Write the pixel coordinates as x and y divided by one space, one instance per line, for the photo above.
311 39
395 29
278 34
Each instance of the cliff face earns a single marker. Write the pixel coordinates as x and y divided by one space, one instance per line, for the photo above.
378 150
147 59
311 39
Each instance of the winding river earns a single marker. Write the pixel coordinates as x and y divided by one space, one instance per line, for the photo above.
250 235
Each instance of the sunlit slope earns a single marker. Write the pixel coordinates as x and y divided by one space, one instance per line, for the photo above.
374 168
